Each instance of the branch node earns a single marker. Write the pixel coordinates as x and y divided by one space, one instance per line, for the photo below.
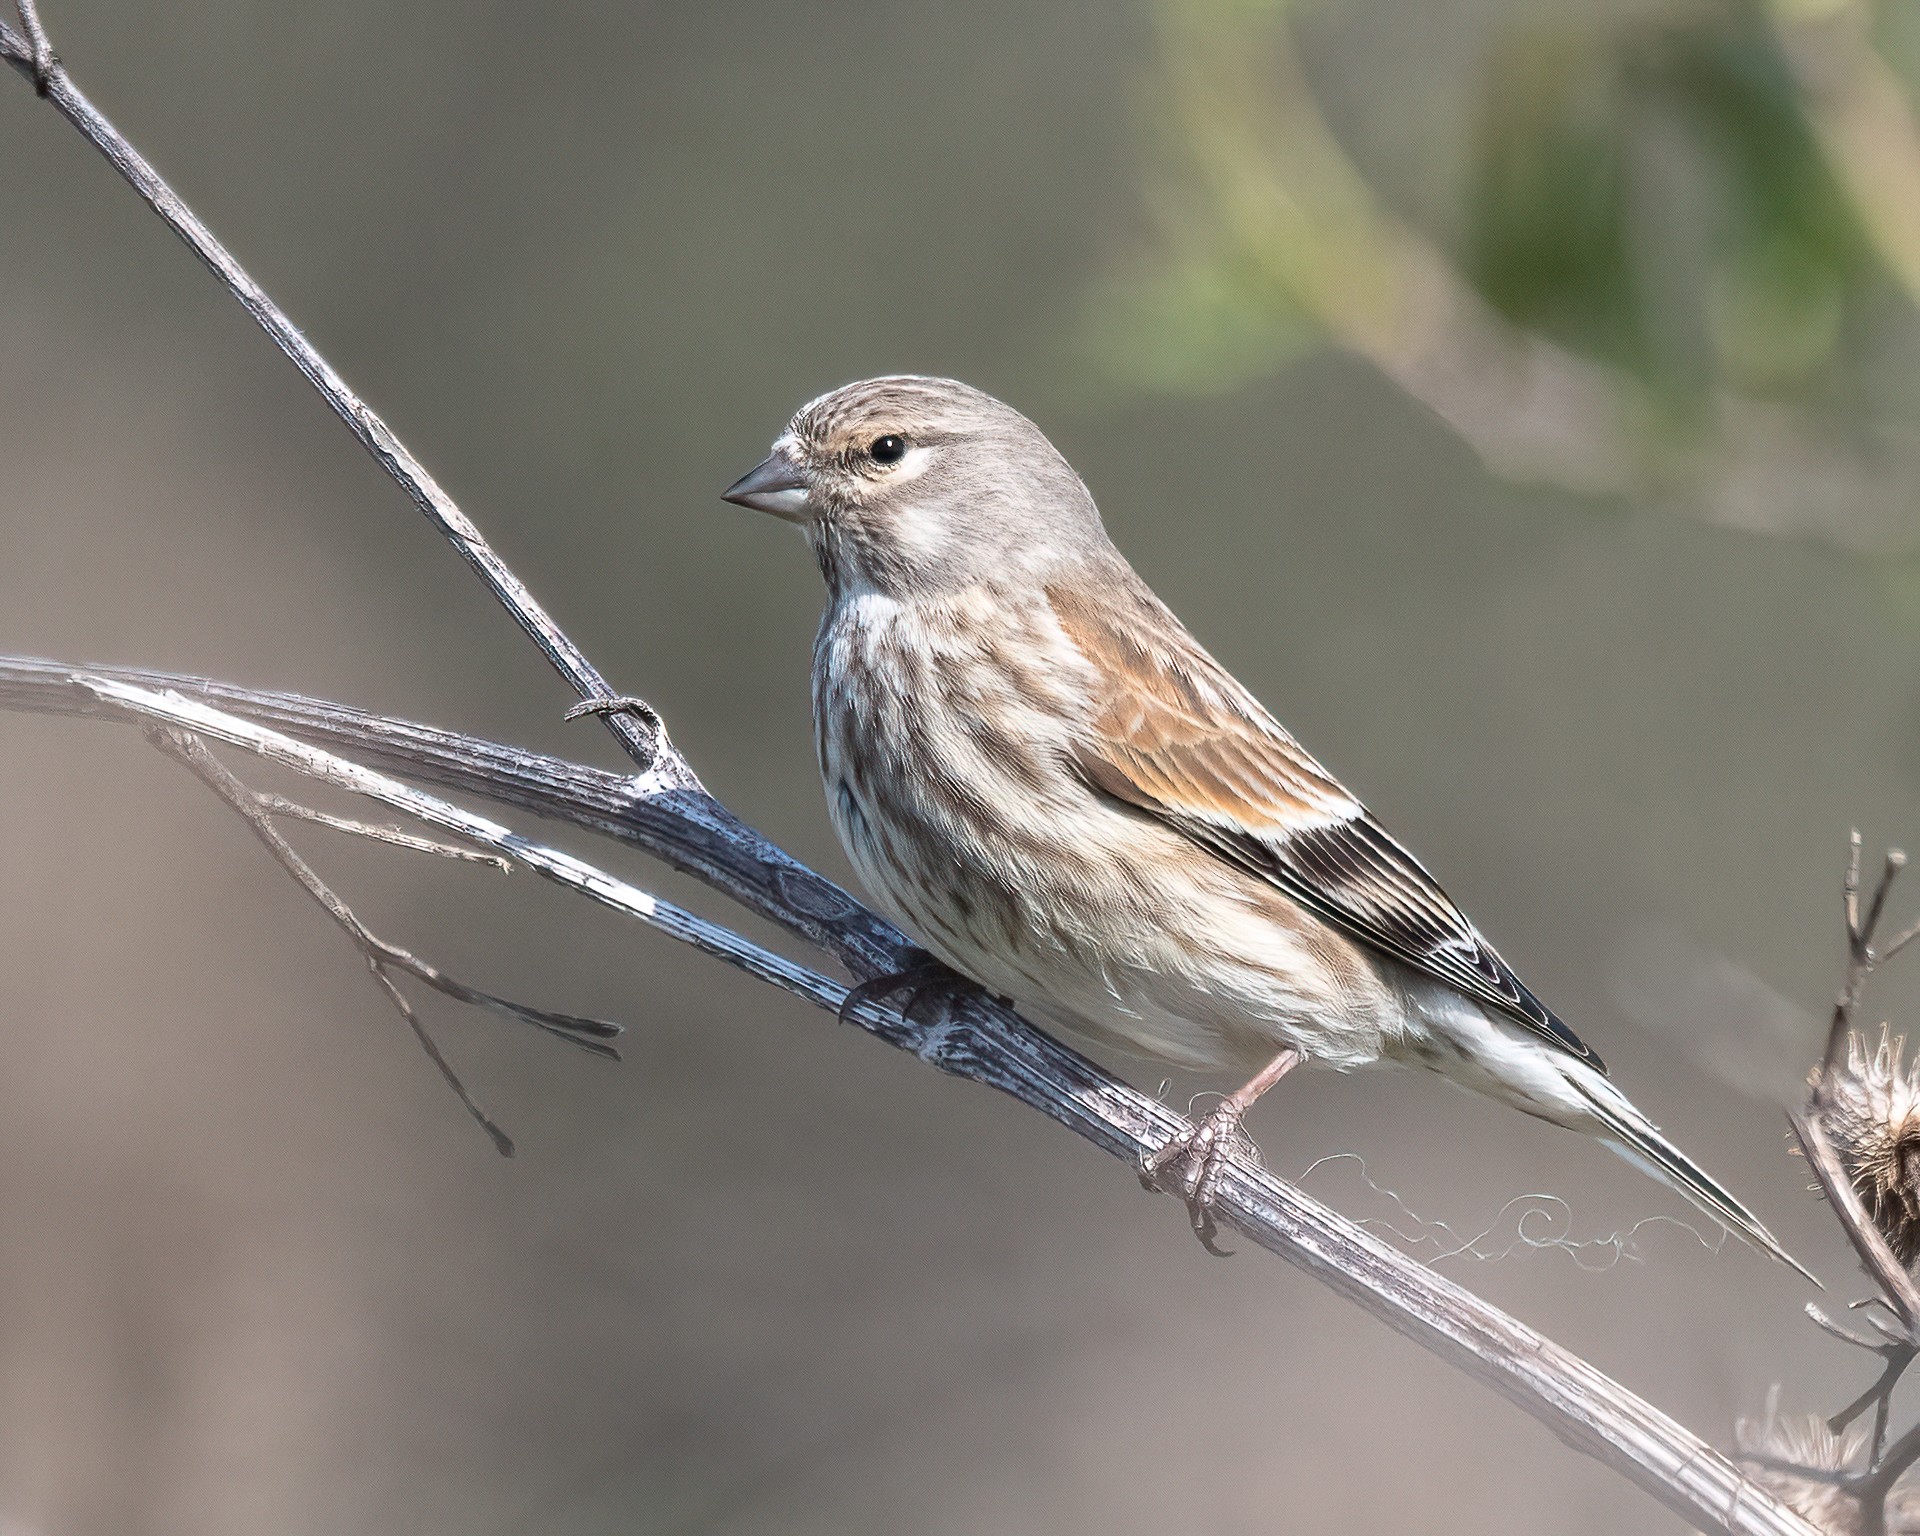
43 61
619 704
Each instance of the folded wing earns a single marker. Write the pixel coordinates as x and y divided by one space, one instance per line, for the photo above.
1175 736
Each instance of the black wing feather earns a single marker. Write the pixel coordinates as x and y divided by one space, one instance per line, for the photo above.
1357 877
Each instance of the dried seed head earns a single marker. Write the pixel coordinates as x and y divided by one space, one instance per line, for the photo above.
1788 1455
1873 1120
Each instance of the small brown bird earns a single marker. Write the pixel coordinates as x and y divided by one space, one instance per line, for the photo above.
1037 771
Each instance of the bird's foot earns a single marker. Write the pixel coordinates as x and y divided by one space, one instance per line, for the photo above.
1196 1157
930 990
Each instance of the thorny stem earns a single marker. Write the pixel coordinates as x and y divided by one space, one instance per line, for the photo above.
1875 1257
1898 1292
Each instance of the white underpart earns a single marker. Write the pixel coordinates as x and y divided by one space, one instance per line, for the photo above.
1086 913
1125 931
1490 1054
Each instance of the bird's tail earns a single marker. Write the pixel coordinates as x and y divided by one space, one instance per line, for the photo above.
1637 1139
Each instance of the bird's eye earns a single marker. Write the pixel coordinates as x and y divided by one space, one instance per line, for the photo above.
888 449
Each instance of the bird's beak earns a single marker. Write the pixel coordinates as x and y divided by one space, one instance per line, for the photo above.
777 484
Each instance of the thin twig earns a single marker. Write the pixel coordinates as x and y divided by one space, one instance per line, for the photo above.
583 1033
293 810
1861 958
1878 1397
1875 1487
1844 1335
648 745
981 1042
1894 946
1850 890
1892 862
258 811
44 61
187 749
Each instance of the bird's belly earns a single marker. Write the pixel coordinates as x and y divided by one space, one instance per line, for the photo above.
1097 920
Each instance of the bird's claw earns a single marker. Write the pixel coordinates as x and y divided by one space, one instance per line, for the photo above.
930 990
1202 1151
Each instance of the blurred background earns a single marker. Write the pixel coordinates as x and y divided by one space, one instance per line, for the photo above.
1523 396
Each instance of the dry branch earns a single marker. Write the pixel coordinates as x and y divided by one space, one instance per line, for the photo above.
981 1042
665 810
1852 1129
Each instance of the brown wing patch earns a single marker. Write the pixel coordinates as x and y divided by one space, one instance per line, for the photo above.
1175 736
1180 728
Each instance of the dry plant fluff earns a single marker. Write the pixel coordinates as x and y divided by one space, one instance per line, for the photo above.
1800 1461
1805 1465
1872 1117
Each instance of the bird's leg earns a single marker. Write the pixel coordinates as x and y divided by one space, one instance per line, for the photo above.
929 987
1203 1148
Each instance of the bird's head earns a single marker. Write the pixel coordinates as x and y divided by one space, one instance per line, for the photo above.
911 486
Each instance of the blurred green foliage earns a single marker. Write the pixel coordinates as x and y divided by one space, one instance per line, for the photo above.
1548 237
1575 198
1678 255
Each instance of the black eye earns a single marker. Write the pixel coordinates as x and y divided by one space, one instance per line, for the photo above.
888 449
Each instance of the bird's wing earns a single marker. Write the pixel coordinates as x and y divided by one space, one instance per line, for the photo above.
1174 735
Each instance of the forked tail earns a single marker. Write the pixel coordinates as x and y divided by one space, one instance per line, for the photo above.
1636 1138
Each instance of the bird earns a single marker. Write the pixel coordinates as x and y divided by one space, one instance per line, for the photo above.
1039 773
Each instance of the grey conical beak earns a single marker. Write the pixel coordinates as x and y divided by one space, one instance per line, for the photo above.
777 484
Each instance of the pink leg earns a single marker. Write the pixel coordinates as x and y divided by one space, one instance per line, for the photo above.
1204 1146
